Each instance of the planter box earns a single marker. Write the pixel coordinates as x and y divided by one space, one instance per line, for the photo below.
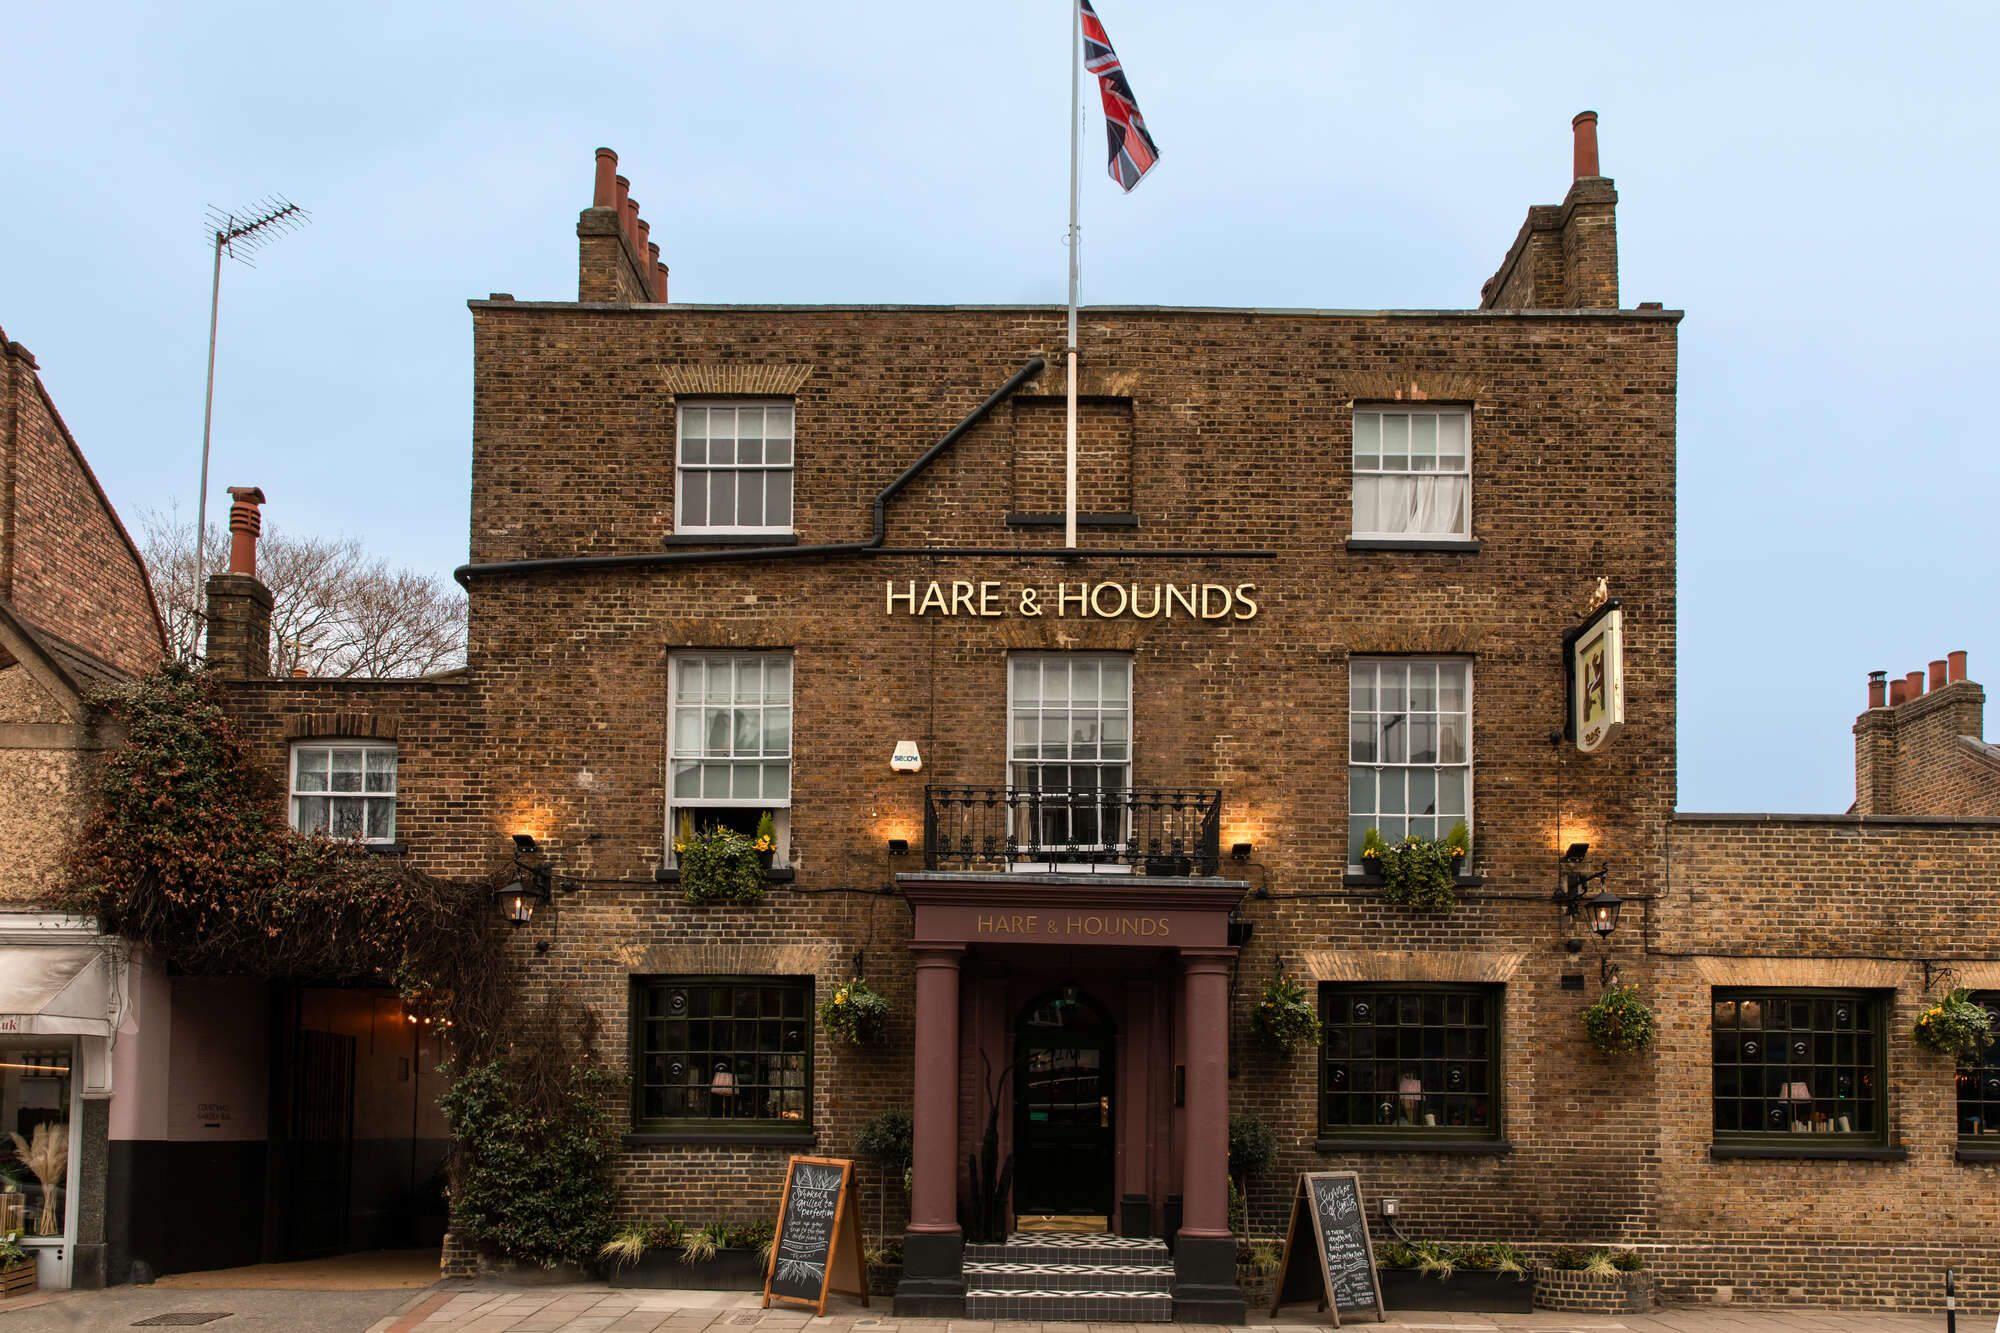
18 1280
518 1273
1582 1293
1467 1289
729 1270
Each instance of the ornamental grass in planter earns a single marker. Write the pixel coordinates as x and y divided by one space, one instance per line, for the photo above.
1436 1275
1284 1018
1600 1281
1620 1023
1955 1026
1419 873
671 1255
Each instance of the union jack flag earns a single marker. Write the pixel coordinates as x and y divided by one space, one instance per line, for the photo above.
1133 151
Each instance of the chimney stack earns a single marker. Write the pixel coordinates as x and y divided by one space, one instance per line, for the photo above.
1878 688
616 264
1584 129
239 606
1955 666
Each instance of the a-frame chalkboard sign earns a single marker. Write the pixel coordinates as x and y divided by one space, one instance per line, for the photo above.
1329 1256
818 1244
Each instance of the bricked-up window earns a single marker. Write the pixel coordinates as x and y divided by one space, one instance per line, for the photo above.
722 1053
734 467
1410 748
1413 472
345 789
730 726
1979 1086
1069 730
1798 1066
1409 1060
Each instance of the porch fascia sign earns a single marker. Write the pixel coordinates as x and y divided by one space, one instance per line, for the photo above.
1069 911
992 599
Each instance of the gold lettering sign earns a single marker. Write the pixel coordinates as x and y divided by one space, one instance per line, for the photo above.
1024 925
1087 601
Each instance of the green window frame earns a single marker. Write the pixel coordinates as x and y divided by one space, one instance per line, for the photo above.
1799 1066
1407 1060
1979 1087
722 1054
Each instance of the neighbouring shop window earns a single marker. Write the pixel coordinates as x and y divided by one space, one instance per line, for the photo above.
35 1146
1412 472
1409 1060
1798 1063
722 1052
733 469
1069 737
731 730
345 789
1979 1086
1410 748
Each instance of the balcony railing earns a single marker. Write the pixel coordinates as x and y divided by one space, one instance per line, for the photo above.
1129 830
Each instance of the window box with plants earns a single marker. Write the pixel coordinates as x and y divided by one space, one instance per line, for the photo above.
717 1256
1419 873
1490 1276
717 864
1599 1281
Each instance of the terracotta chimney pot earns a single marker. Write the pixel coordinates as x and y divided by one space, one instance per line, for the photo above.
604 194
1937 674
1954 665
660 282
630 218
245 523
1584 129
1878 687
1899 692
1913 685
645 237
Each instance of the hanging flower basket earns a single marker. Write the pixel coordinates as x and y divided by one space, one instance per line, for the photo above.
1420 873
1620 1023
1284 1018
855 1014
1955 1026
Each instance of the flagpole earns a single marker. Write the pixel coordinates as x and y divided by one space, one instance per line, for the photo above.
1075 260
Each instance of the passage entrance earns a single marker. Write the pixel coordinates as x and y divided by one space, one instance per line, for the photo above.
1063 1109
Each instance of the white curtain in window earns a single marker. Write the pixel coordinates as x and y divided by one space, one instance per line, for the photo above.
1418 506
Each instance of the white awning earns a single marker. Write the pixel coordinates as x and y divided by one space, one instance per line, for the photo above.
54 991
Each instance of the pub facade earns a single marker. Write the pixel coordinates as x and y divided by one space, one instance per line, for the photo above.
1074 813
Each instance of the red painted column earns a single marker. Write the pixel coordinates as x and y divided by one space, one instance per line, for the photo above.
934 1138
1205 1005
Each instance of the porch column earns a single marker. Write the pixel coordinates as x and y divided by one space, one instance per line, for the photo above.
933 1282
1205 1288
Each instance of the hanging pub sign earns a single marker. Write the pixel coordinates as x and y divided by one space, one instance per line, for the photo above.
1594 661
1329 1256
818 1244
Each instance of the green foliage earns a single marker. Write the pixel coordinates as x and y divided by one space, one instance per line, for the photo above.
1396 1254
1440 1259
12 1255
534 1183
1252 1146
886 1140
1284 1018
1419 873
1955 1026
854 1013
1568 1259
1628 1261
719 865
1620 1023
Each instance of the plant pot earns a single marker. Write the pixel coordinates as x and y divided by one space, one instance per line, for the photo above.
1586 1293
20 1279
1466 1289
764 859
726 1270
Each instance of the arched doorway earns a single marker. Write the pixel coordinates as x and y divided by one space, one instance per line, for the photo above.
1063 1108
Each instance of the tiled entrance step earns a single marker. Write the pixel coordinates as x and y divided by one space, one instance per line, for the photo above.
1047 1275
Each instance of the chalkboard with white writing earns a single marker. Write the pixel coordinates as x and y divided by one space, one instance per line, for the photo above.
817 1248
1329 1256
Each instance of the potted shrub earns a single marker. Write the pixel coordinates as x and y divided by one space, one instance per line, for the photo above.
717 865
765 844
1420 873
1434 1275
886 1141
1955 1026
716 1256
1620 1023
885 1267
1597 1281
17 1266
1257 1274
1284 1018
854 1013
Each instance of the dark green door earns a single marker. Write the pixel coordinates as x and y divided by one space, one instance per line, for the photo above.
1063 1110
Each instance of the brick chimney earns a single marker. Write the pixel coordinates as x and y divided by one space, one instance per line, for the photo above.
1919 751
239 605
614 264
1566 255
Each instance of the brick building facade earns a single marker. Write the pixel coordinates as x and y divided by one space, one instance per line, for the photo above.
729 560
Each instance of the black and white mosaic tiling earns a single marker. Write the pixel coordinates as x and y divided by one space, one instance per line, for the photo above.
1056 1275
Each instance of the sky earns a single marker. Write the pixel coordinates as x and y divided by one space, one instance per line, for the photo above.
1812 184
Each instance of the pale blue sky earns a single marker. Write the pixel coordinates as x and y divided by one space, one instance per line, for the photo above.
1813 184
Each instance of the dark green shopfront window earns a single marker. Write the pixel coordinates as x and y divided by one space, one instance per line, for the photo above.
1979 1087
722 1053
1799 1066
1409 1061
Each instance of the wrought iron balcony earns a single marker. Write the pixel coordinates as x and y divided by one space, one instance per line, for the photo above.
1129 830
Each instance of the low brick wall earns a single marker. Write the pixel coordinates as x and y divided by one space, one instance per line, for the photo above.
1586 1293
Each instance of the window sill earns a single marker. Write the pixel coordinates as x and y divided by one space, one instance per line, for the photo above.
1462 545
1969 1155
1831 1152
1020 519
672 875
794 1138
1444 1147
1361 879
730 539
398 848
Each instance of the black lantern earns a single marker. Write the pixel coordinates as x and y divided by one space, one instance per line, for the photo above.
518 900
1603 909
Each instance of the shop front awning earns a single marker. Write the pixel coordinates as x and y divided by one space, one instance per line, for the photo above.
54 991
